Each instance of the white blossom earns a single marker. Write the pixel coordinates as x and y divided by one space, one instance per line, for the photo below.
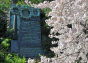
73 42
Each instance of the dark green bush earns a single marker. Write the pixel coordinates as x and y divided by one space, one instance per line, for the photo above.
46 11
45 31
9 33
4 5
4 49
13 58
3 23
36 1
32 1
21 3
6 43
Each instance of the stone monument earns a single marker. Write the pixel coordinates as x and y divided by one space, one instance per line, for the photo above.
27 37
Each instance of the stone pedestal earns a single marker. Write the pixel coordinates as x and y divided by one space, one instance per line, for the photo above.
29 36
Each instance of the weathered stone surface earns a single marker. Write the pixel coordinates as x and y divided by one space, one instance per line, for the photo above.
30 52
14 46
30 38
29 33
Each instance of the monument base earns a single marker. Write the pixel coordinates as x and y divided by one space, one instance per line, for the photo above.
31 52
26 52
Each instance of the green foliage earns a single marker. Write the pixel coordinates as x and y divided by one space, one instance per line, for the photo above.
50 0
7 57
1 39
4 5
4 48
44 15
3 23
45 30
36 1
6 43
13 58
36 60
46 11
9 33
5 37
21 3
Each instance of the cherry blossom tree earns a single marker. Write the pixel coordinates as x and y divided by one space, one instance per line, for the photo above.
69 18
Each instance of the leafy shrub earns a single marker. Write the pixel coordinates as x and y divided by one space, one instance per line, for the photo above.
4 8
50 0
43 16
4 5
9 33
3 23
13 58
1 39
36 1
46 11
21 3
45 31
4 48
7 57
6 43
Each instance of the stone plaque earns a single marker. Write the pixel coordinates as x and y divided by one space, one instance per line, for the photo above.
29 37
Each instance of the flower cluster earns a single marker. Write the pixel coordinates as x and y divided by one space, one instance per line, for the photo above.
69 19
